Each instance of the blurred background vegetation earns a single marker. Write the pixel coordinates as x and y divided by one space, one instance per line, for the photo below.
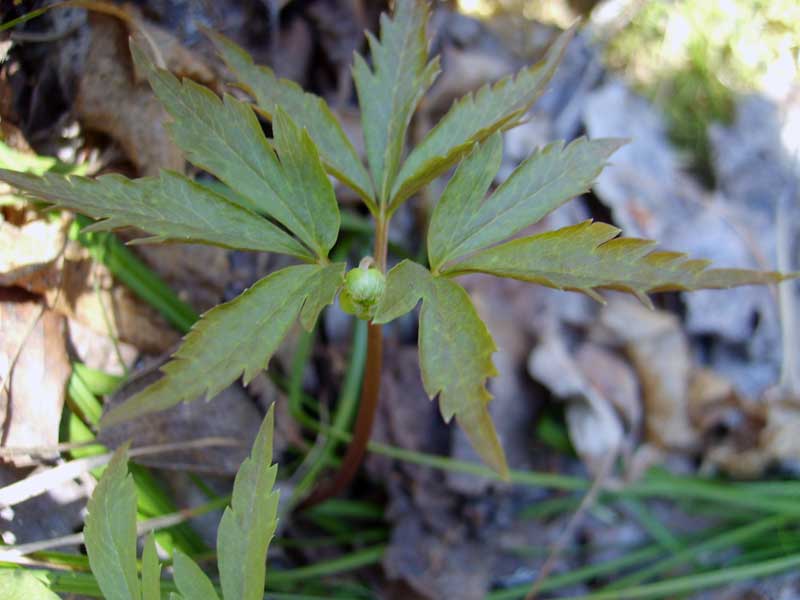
691 57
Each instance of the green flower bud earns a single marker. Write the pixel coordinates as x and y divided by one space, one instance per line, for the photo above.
346 303
365 285
363 289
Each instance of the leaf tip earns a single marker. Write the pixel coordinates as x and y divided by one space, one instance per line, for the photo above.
594 295
643 298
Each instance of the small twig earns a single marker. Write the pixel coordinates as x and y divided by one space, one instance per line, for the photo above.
588 500
787 300
40 482
16 554
44 451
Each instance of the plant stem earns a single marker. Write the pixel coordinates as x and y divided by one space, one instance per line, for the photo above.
370 390
381 241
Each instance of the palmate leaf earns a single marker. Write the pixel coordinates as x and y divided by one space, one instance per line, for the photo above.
472 119
589 255
389 92
463 222
170 207
455 350
308 110
249 523
461 199
225 138
237 337
190 580
21 584
110 531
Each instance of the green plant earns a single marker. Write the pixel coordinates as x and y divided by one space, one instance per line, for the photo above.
285 180
243 537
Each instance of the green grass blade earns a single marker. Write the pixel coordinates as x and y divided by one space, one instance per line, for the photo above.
727 539
346 407
132 272
603 569
693 583
23 19
355 560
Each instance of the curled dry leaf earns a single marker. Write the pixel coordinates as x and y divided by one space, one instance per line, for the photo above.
744 436
659 351
98 351
594 427
28 252
112 100
615 379
731 425
230 416
780 437
87 293
34 367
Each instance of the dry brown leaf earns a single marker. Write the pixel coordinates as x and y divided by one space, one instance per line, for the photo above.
781 436
614 379
731 426
199 274
432 553
111 101
89 295
594 427
177 58
436 565
57 513
98 351
34 367
659 350
405 416
27 253
230 415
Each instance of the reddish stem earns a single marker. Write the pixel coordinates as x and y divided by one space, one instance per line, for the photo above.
363 428
369 395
